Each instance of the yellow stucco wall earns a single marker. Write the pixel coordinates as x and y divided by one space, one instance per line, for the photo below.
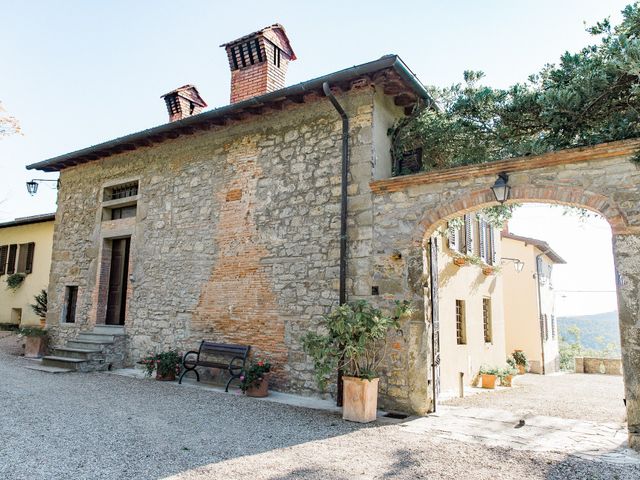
522 324
42 235
470 284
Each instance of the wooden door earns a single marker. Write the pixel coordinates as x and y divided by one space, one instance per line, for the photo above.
435 318
117 296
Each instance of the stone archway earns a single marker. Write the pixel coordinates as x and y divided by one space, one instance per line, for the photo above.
407 210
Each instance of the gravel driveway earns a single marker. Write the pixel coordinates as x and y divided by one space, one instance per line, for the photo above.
102 426
597 398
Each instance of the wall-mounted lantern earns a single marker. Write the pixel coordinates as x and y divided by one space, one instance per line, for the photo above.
32 186
517 263
501 188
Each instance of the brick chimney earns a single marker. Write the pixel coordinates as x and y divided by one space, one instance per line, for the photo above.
183 102
258 62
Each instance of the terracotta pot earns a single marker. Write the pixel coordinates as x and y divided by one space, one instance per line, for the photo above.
260 390
459 261
35 347
506 381
487 270
521 369
488 381
169 377
360 399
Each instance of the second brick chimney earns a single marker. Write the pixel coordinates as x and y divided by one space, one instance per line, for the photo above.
183 102
258 62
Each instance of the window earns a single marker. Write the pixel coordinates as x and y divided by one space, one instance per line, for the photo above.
461 323
123 212
71 299
486 320
487 242
124 190
23 253
25 258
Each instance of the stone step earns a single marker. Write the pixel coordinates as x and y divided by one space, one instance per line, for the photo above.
62 362
87 344
108 330
100 337
74 352
44 368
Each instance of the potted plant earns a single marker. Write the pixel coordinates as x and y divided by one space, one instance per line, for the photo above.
489 376
354 342
521 361
459 261
254 382
35 341
40 307
166 365
488 270
506 375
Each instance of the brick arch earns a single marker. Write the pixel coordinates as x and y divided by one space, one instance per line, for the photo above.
559 195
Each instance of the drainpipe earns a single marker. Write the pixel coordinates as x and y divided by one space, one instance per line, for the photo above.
540 319
343 209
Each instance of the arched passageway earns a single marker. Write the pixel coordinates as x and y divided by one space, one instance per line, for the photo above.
408 210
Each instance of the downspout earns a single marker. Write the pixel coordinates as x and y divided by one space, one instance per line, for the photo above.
540 319
343 210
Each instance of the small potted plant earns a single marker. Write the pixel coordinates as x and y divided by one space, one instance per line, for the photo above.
459 260
354 341
254 381
489 376
521 361
35 341
166 365
506 375
40 307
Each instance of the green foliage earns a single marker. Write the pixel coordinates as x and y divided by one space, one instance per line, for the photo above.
14 281
164 363
572 345
253 375
40 307
589 97
355 340
520 358
489 370
32 332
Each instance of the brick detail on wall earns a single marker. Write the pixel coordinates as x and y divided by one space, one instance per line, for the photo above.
238 304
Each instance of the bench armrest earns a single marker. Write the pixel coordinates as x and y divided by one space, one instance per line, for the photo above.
184 359
233 367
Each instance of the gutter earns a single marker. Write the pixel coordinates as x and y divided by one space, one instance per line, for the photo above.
343 212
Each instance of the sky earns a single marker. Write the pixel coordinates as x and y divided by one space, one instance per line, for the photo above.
77 73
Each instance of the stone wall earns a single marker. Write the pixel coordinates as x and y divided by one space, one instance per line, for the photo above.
606 366
235 239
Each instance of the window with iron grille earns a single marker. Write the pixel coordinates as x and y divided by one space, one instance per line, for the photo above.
117 192
486 320
461 323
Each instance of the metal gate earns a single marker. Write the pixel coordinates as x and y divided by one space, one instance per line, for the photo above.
435 318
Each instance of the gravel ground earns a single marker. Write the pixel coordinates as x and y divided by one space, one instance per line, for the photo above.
596 398
102 426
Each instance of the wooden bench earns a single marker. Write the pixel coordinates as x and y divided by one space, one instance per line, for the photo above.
210 355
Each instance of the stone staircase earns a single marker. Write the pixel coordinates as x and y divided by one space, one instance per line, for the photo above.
101 349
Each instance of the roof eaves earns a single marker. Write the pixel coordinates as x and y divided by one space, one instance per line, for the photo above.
45 217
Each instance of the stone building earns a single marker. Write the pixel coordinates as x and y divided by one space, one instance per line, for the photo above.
530 322
25 251
225 224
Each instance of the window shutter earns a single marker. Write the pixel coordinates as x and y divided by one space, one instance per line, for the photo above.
11 265
468 233
31 247
492 245
453 238
483 240
4 251
22 258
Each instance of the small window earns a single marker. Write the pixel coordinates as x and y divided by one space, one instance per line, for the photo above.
124 190
123 212
461 323
486 320
71 300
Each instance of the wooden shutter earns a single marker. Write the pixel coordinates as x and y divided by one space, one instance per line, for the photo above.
492 245
22 258
4 251
453 237
11 265
31 247
483 240
468 233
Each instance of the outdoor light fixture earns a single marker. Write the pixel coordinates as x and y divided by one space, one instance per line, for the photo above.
501 189
517 263
32 186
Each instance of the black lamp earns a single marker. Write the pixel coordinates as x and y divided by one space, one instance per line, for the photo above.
501 188
517 263
32 186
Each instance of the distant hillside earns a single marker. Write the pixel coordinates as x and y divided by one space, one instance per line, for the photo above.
597 331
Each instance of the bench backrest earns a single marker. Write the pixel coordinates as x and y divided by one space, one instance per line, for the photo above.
223 349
